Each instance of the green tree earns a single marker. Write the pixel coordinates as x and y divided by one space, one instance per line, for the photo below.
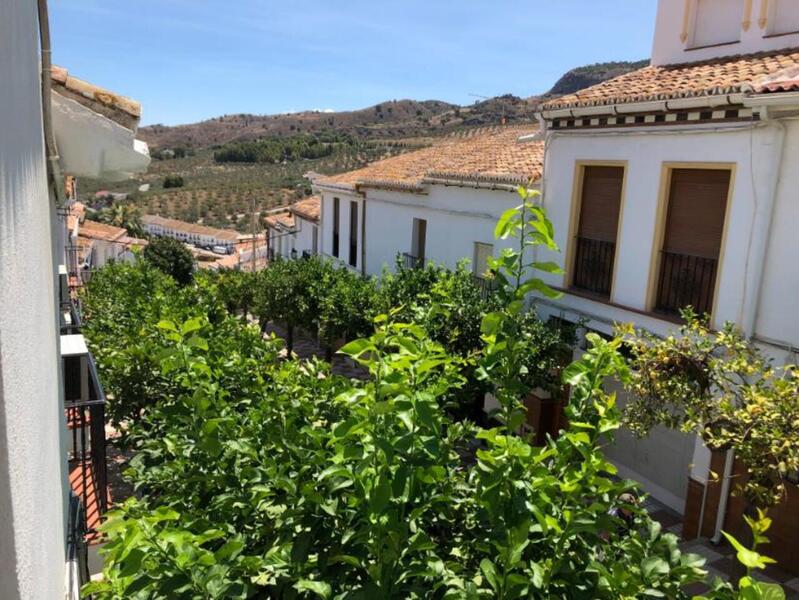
720 386
171 257
123 214
173 181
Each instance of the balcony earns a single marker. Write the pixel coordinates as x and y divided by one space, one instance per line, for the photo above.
685 280
487 286
84 404
409 261
593 266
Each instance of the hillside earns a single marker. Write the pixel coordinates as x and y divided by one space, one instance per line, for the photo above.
393 119
583 77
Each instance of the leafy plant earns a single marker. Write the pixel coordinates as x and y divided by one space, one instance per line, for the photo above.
170 257
719 385
749 588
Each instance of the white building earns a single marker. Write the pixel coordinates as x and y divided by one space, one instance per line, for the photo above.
91 141
437 204
676 185
293 231
191 233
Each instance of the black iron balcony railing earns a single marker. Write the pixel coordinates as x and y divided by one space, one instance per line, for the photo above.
85 414
685 280
593 266
306 254
70 317
77 549
487 285
409 261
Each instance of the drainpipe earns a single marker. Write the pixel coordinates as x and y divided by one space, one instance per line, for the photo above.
363 236
762 225
725 495
53 168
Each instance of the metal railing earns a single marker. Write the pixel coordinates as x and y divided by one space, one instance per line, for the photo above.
593 266
86 433
685 280
306 254
77 549
409 261
488 286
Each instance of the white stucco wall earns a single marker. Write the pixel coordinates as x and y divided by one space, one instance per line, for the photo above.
752 151
32 453
668 48
661 463
326 228
457 217
777 311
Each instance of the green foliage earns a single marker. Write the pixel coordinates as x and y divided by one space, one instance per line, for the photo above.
749 588
123 214
277 149
170 257
173 181
276 479
719 385
504 361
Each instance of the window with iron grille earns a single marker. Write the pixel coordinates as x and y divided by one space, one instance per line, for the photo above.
597 228
692 236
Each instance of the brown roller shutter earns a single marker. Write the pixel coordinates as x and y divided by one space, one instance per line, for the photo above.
697 205
692 239
598 224
601 203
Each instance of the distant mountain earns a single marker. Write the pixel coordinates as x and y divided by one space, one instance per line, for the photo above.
395 118
389 120
583 77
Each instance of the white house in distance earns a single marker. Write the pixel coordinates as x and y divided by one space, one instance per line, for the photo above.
293 231
34 473
222 240
676 185
438 204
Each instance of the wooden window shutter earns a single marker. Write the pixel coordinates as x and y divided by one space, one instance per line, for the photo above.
697 206
601 203
598 224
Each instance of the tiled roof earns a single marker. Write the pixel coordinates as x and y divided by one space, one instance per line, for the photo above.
308 208
101 231
118 108
490 154
194 228
284 219
719 76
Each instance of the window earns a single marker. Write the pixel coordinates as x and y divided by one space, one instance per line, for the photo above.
784 17
692 236
597 228
482 252
353 233
717 22
418 242
336 211
315 240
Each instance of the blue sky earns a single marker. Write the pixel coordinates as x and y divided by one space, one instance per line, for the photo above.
188 60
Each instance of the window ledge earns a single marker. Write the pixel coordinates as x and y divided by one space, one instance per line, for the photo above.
718 45
606 302
778 35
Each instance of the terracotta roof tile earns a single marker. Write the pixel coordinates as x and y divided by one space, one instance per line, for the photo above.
308 208
490 154
719 76
100 231
123 110
284 219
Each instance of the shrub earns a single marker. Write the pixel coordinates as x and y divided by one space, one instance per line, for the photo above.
173 181
170 257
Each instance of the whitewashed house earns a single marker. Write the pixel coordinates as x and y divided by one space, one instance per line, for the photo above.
221 240
293 231
676 185
94 136
438 204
